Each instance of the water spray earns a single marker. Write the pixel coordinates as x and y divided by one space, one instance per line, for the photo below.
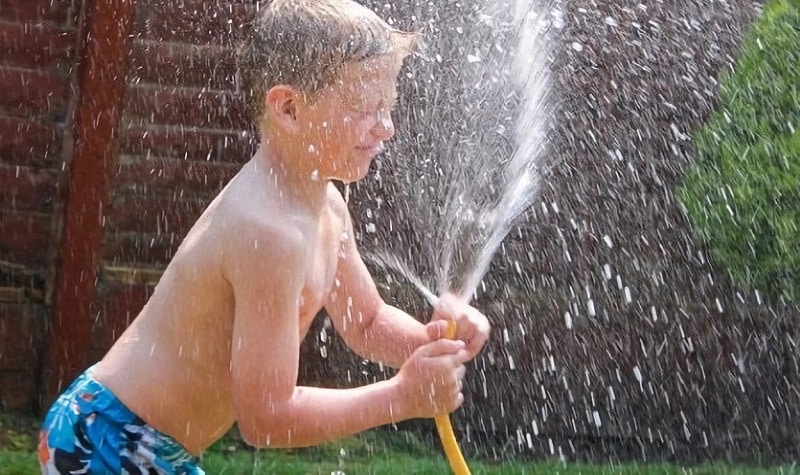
477 218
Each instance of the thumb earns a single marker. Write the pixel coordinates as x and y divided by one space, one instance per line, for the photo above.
441 347
436 329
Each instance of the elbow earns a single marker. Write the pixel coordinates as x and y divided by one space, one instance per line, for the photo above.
253 433
361 329
267 425
265 432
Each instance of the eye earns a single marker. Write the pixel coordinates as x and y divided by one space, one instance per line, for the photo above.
365 110
362 112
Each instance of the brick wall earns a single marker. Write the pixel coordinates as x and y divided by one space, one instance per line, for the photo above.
37 39
179 141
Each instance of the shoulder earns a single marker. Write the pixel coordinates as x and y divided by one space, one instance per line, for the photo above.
257 240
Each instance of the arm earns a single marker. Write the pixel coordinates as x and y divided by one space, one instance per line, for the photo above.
270 408
371 327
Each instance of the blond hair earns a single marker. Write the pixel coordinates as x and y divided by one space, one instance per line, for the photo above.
305 43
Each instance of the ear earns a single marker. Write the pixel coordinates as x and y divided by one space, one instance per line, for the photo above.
282 103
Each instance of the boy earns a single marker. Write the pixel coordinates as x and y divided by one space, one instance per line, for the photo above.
218 342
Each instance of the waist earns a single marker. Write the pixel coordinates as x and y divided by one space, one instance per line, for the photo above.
92 396
169 399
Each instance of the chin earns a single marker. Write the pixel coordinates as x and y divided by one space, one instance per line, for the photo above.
355 176
358 169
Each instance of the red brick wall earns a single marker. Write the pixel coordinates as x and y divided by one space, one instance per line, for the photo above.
37 39
180 140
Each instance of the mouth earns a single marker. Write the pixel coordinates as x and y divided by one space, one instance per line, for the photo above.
372 150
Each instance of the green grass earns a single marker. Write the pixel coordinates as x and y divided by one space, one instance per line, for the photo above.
379 453
279 462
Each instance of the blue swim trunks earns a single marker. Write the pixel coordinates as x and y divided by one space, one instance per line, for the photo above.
89 431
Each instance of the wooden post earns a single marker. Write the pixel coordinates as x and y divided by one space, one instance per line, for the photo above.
103 58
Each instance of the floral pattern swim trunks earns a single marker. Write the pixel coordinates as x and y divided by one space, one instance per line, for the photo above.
89 431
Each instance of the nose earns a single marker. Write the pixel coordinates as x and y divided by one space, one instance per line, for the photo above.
384 126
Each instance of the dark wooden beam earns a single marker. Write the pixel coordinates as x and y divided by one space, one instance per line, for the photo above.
103 58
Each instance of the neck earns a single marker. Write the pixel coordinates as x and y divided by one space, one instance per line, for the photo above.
285 171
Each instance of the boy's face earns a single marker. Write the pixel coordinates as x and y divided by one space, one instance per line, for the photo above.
346 125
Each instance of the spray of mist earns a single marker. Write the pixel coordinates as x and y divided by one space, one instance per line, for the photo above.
483 195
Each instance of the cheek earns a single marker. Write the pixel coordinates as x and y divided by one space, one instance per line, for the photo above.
352 128
323 132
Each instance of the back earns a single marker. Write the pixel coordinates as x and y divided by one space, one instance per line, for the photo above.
172 362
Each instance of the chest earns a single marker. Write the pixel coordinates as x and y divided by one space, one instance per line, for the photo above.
321 265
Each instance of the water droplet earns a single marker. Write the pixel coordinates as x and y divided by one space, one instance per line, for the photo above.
558 19
596 417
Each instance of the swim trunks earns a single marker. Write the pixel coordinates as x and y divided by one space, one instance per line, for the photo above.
89 431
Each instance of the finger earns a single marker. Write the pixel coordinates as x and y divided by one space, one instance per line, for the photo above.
463 356
454 392
451 361
457 402
442 347
479 329
461 371
436 329
475 344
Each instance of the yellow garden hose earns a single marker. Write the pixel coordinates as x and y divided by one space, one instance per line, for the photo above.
448 438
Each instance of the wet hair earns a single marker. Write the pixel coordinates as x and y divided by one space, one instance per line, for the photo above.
305 43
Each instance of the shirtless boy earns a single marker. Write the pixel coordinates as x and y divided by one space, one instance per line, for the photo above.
218 342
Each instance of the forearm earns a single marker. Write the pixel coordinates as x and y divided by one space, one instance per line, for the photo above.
390 337
316 415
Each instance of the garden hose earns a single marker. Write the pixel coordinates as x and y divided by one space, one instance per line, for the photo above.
448 438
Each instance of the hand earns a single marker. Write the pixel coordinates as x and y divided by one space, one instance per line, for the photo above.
430 380
472 327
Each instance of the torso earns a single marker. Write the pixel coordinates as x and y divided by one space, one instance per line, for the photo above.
173 361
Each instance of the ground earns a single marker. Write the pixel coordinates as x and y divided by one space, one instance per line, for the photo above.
18 432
